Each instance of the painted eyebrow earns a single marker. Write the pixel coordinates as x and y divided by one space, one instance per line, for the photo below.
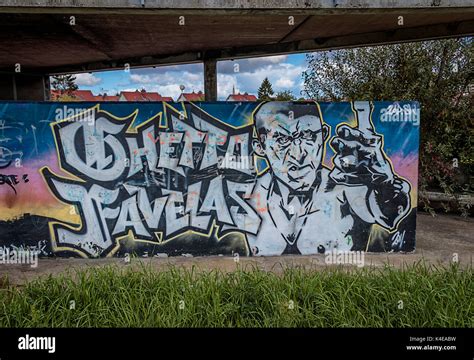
279 134
314 132
287 131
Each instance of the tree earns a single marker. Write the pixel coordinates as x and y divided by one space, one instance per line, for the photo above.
286 95
265 90
435 73
65 84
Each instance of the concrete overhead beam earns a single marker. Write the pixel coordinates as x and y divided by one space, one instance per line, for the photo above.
432 32
401 35
145 61
214 7
236 4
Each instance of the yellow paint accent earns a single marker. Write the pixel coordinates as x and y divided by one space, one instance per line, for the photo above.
214 228
59 212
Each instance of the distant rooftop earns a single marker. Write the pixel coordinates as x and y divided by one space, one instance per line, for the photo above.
143 95
199 96
87 95
241 97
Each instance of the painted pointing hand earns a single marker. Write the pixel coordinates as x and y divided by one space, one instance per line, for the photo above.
359 157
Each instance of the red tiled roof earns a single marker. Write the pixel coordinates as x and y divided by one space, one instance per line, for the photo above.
199 96
84 95
144 96
106 97
54 94
151 96
132 95
241 97
87 95
111 98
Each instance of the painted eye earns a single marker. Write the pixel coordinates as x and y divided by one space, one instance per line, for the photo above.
309 135
282 140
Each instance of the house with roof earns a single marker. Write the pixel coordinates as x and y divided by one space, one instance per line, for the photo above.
54 95
87 95
84 95
154 96
105 97
199 96
142 95
241 97
79 95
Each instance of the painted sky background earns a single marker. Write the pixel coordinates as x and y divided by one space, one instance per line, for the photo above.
246 75
25 128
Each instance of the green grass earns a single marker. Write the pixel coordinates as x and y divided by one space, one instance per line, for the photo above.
113 297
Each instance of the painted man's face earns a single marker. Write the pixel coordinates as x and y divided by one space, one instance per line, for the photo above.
293 146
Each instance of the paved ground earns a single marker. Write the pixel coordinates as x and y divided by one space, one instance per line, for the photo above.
439 239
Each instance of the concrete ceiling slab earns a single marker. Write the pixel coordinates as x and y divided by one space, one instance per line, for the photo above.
143 33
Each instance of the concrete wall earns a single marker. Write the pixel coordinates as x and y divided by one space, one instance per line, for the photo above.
24 87
82 179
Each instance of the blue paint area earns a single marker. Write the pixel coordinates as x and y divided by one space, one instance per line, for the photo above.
394 133
262 165
40 114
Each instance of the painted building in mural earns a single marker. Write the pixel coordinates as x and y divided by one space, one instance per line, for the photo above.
258 179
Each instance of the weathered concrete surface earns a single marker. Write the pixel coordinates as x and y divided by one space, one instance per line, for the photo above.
54 38
235 4
438 240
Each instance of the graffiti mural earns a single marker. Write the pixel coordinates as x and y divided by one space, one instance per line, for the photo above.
258 179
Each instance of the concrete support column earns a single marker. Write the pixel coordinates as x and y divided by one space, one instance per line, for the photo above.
210 79
17 86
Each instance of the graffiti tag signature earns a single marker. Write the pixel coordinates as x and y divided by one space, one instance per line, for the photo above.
12 180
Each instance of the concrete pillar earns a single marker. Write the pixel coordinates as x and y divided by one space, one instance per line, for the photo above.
210 79
17 86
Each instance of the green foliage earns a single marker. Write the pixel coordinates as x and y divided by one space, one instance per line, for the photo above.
286 95
439 74
65 84
418 296
265 91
